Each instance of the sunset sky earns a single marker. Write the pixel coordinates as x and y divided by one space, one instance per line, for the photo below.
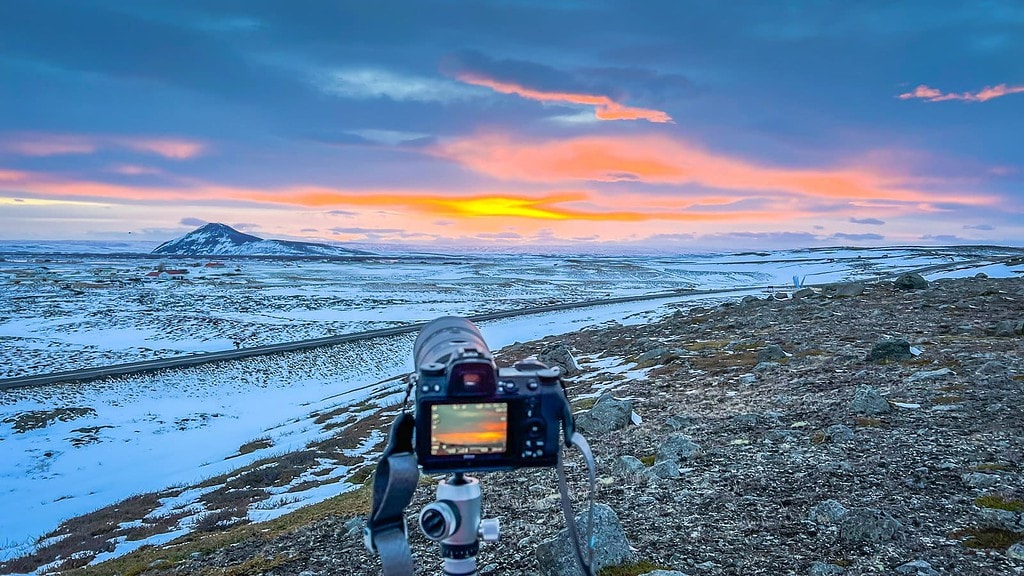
671 125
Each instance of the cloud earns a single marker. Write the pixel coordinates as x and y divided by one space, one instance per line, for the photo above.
389 137
604 107
133 170
579 205
370 83
500 236
942 238
987 93
984 227
45 144
366 230
345 213
189 221
857 237
869 221
663 160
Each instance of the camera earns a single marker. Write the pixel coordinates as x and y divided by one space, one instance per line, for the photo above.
469 416
473 416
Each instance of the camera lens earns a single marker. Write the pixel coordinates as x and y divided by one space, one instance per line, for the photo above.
443 337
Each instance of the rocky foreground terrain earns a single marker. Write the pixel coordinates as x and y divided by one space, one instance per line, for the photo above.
863 429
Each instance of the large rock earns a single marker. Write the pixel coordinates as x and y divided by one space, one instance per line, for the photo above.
845 290
828 512
917 568
804 293
556 556
890 349
677 448
771 353
825 569
867 525
1009 328
627 464
910 281
867 400
559 355
607 414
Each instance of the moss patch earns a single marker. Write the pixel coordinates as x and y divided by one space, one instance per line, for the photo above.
987 538
648 460
633 569
1000 503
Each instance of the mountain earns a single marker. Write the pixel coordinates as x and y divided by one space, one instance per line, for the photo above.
222 240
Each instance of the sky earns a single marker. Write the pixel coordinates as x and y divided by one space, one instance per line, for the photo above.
656 125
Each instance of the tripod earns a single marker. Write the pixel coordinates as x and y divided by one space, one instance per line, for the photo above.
454 521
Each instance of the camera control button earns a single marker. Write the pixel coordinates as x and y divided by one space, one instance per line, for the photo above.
437 387
532 385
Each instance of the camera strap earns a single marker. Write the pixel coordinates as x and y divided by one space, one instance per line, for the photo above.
576 439
394 484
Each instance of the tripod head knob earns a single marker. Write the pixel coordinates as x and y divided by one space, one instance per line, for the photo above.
490 529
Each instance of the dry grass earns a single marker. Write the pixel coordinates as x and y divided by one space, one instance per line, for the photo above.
987 538
257 444
36 419
349 504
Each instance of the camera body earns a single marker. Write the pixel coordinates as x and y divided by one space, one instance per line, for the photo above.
473 416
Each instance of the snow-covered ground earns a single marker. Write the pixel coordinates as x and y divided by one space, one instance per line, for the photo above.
61 313
69 449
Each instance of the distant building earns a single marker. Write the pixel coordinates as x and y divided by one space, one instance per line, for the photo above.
214 264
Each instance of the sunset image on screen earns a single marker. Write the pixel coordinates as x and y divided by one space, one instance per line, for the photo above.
468 428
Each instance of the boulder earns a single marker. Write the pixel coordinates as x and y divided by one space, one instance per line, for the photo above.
556 556
917 568
867 400
910 281
663 469
804 293
825 569
890 349
1009 328
868 525
771 353
839 433
843 290
607 414
677 448
627 465
559 355
1016 552
828 512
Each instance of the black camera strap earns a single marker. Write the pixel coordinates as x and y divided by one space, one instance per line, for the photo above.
576 439
394 484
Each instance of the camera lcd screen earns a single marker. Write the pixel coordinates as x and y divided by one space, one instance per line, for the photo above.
468 429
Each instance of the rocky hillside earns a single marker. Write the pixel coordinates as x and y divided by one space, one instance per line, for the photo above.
222 240
858 430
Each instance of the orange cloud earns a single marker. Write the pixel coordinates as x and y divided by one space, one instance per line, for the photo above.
987 93
662 160
41 144
604 107
565 206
